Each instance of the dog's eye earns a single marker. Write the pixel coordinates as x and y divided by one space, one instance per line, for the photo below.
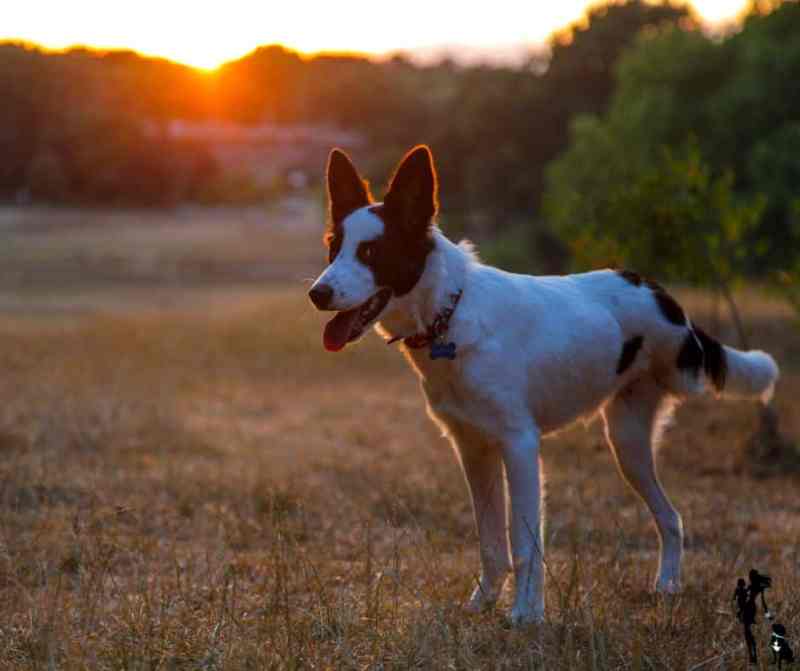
334 243
366 251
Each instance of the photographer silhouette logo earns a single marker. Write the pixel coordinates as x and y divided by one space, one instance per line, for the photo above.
746 597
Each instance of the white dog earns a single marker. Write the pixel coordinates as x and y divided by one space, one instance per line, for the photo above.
506 359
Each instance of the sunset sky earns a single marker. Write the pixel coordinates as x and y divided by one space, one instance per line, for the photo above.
206 34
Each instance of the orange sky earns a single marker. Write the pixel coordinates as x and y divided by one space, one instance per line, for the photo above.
206 34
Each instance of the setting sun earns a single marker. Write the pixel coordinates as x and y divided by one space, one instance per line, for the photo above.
206 35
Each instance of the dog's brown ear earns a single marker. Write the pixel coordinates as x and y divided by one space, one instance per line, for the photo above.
413 196
346 190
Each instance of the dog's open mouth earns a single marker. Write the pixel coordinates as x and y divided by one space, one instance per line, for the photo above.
348 325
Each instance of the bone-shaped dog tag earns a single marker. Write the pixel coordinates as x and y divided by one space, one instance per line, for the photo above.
443 350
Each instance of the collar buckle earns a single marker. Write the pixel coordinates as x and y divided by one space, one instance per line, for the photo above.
433 336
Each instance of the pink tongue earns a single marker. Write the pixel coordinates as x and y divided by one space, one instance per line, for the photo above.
337 330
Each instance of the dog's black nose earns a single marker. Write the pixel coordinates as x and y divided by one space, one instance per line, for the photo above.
321 296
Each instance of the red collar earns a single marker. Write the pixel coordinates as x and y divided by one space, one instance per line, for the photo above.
439 326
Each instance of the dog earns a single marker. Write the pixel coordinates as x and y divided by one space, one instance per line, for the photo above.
779 645
505 359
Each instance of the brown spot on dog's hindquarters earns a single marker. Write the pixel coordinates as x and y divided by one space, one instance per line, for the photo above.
630 349
630 276
669 307
701 351
690 356
715 362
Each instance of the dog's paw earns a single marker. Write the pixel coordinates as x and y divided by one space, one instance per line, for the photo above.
522 617
668 585
480 601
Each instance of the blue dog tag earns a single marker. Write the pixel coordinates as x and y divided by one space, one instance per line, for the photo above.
443 350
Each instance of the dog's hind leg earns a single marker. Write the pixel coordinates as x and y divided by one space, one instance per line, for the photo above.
483 470
632 420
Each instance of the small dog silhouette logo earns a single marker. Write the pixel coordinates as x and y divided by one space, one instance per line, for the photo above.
779 645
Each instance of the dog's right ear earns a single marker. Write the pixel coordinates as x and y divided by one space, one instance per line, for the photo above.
346 190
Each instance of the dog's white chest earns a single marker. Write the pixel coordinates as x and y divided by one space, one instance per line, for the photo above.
451 403
458 398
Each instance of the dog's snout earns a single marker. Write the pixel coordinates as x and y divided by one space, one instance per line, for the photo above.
321 296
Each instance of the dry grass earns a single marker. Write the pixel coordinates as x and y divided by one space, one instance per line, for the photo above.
187 481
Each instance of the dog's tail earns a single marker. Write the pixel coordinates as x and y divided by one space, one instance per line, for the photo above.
731 372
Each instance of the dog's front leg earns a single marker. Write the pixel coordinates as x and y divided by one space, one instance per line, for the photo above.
483 470
521 458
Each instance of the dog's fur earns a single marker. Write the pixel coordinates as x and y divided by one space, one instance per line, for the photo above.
533 355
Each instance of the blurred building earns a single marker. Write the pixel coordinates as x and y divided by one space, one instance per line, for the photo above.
266 153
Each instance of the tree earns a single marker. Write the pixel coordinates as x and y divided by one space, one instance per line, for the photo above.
580 78
267 84
735 100
22 112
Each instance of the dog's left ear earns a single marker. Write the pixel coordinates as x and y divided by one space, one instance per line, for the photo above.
413 196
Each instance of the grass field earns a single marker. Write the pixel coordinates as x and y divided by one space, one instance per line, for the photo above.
188 481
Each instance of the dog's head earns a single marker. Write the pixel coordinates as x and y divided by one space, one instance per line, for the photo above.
376 251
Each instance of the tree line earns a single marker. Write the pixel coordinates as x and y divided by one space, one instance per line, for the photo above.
71 124
635 116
